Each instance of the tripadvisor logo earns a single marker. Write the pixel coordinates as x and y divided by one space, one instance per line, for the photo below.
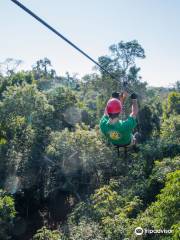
139 231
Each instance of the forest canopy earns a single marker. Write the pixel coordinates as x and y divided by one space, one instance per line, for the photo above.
59 178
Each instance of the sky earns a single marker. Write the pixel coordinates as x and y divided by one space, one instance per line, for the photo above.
94 25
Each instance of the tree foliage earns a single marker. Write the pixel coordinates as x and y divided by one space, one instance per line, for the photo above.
7 214
172 104
63 180
47 234
163 213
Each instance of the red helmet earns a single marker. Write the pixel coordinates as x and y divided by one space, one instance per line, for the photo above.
113 106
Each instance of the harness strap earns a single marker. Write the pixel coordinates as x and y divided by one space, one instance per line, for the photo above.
125 146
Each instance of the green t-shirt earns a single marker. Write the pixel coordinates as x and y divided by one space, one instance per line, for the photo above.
119 133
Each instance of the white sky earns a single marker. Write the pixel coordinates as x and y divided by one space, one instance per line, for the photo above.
94 25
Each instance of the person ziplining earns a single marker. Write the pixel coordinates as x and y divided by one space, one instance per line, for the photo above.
119 132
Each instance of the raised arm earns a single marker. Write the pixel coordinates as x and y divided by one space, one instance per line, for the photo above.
105 111
135 108
123 97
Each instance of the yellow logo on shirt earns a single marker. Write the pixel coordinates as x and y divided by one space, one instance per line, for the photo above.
114 135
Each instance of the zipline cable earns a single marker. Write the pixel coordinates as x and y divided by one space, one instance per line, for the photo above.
61 36
68 41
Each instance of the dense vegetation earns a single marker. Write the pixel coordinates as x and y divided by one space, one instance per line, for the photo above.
59 179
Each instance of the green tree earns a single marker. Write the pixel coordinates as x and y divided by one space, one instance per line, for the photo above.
25 119
145 122
7 214
42 69
114 211
163 213
79 156
166 209
125 53
46 234
21 77
157 178
64 102
86 229
176 86
176 232
123 56
172 104
121 63
170 128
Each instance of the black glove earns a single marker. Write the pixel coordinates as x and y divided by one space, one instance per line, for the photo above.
133 96
115 95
